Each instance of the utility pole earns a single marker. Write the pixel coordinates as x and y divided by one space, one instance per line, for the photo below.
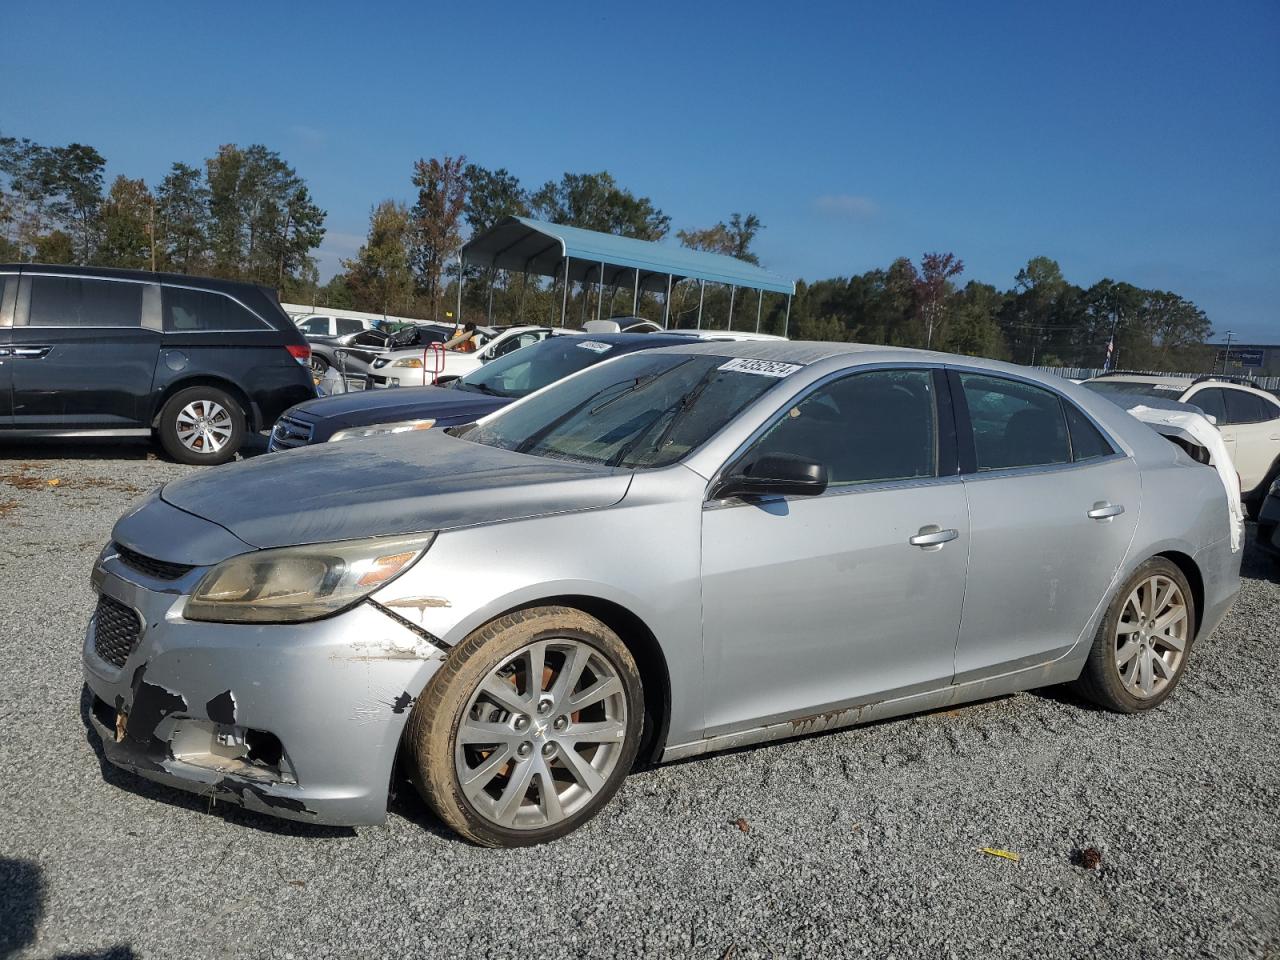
151 232
1226 354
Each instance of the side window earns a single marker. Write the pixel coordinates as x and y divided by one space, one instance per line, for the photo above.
370 338
73 302
8 286
866 428
1243 407
316 325
347 325
187 311
1087 442
1014 424
1270 409
1212 402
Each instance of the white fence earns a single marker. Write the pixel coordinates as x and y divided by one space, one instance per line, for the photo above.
1084 373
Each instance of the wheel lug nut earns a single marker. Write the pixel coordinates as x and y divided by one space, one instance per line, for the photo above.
548 748
561 723
544 707
522 723
525 749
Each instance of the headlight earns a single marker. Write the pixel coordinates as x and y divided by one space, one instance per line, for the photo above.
401 426
414 362
294 584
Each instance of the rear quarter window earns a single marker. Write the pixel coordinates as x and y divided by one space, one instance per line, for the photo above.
201 311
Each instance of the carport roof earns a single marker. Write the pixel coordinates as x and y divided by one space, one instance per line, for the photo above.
521 243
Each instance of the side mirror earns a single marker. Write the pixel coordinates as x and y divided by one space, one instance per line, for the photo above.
777 475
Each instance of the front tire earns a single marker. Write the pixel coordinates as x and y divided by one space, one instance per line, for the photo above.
1140 650
529 727
202 426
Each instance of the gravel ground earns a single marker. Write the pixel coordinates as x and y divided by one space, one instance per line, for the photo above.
859 843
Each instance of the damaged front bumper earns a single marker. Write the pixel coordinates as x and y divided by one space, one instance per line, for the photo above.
301 721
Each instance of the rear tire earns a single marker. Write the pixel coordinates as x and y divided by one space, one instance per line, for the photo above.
529 727
202 426
1140 650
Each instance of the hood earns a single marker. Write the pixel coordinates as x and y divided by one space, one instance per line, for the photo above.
364 407
387 485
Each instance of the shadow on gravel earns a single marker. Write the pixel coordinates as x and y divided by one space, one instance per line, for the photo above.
406 803
21 906
100 448
195 802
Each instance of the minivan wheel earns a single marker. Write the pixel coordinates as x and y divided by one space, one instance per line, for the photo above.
318 366
528 728
1141 647
201 425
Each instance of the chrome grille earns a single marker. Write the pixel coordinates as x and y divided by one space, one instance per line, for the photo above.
157 569
289 433
116 631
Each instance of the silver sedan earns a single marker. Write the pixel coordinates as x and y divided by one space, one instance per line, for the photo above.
670 553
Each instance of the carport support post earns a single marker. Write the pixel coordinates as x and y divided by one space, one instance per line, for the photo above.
564 296
702 290
600 290
457 317
666 304
635 294
759 306
786 320
733 292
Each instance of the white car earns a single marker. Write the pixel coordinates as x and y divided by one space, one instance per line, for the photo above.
322 325
429 364
1248 418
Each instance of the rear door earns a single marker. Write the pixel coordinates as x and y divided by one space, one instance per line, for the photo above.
81 357
1053 505
1254 423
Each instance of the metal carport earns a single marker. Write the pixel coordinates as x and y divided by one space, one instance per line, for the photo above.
572 254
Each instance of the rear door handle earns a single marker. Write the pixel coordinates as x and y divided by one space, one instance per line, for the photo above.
1105 511
32 353
932 537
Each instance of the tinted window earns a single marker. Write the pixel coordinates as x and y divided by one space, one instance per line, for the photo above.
72 302
515 343
1014 424
1244 407
642 410
5 280
316 325
1212 402
1270 409
347 325
198 310
864 428
1087 442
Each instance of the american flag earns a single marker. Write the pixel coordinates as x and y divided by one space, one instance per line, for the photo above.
1111 348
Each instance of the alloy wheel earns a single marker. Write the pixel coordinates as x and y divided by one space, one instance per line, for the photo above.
204 426
1151 636
541 734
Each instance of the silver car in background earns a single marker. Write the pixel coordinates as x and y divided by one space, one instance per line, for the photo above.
673 552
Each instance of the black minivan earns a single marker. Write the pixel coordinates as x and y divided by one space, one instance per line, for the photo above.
87 351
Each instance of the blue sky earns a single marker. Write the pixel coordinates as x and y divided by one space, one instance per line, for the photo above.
1139 141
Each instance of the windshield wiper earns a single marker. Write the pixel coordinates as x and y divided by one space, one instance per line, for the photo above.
677 411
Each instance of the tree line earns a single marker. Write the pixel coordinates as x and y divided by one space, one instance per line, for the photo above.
245 213
242 214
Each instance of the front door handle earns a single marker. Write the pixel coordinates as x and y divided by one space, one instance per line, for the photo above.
932 537
32 353
1102 510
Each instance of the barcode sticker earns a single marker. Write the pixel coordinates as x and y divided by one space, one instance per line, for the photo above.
595 346
761 368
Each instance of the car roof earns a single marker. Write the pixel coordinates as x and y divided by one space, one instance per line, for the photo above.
1180 380
144 276
640 341
805 352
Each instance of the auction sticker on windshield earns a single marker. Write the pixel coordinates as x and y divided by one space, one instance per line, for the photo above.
761 368
595 346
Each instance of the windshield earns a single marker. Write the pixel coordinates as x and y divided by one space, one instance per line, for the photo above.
642 410
1169 391
522 371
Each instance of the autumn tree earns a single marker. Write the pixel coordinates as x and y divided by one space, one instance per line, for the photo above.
934 289
379 276
126 225
733 239
436 223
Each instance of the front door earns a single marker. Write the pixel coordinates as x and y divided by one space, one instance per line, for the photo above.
1053 506
80 358
813 604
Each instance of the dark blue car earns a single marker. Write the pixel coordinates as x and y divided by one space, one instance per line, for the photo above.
480 392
